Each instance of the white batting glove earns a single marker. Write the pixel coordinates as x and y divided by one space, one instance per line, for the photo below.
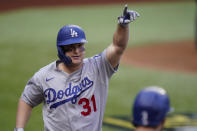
127 16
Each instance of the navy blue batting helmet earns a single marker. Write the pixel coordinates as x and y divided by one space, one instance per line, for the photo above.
69 34
150 107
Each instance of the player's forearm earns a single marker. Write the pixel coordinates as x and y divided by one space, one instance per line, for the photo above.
23 114
121 37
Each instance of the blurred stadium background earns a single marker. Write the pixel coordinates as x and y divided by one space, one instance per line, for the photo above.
28 30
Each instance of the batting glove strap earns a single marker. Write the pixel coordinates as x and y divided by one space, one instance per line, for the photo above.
18 129
127 16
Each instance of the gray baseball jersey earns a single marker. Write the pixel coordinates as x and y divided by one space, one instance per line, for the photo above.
72 102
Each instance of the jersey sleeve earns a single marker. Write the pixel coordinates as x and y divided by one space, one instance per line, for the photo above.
33 93
103 65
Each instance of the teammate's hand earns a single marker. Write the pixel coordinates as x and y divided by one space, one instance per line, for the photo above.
127 16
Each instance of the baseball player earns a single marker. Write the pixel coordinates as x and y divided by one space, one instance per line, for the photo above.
74 90
150 108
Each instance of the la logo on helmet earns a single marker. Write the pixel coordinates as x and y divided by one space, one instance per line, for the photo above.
73 33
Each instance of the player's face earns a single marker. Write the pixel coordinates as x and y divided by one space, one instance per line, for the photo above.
76 52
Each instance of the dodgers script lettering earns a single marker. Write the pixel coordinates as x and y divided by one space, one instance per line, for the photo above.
71 93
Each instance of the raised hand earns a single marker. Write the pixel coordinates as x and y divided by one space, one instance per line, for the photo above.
127 16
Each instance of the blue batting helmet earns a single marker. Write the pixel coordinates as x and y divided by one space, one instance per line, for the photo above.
150 107
69 34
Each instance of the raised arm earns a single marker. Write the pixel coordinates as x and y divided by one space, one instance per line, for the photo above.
121 36
22 116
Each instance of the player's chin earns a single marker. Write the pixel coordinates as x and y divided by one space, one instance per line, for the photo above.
77 61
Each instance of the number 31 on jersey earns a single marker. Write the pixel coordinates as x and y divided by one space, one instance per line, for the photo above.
87 105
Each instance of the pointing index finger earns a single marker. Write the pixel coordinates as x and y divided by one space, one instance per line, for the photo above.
125 10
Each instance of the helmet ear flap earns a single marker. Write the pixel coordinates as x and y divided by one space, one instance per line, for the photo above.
66 59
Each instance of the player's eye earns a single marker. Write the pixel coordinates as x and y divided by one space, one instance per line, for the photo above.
69 48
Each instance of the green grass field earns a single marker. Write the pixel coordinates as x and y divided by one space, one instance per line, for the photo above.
28 42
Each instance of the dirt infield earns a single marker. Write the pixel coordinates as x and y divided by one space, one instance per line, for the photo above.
177 57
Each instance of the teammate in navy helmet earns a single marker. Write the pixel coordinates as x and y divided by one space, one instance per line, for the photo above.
150 108
74 90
